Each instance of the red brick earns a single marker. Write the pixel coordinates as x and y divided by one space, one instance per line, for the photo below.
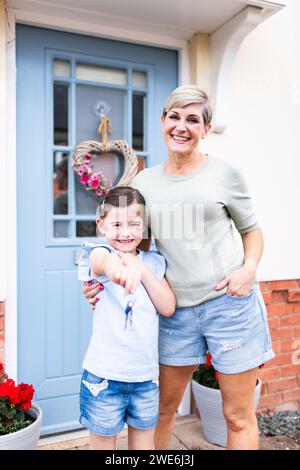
297 332
267 297
278 296
276 346
289 371
271 400
264 287
297 308
274 322
286 346
283 285
280 309
282 333
291 320
268 375
294 295
1 323
291 395
280 385
280 359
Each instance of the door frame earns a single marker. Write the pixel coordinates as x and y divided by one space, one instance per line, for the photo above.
65 25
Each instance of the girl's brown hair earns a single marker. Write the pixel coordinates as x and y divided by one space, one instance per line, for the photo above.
124 196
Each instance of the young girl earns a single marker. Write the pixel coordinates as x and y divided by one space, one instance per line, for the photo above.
120 379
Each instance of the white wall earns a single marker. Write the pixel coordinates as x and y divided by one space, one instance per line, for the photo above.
263 135
2 152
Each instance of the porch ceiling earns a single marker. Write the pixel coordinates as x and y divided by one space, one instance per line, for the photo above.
179 19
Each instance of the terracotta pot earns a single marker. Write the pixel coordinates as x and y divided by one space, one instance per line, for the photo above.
27 438
209 404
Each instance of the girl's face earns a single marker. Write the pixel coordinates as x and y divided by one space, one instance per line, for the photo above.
183 128
123 227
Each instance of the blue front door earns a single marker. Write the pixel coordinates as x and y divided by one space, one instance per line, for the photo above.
63 82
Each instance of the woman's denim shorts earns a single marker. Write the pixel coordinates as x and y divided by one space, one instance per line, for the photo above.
106 405
233 329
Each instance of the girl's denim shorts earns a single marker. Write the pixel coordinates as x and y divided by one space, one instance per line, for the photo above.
233 329
106 405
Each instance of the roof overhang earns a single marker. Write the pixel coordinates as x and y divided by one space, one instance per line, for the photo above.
179 19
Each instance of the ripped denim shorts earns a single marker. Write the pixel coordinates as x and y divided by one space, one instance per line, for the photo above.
106 405
233 329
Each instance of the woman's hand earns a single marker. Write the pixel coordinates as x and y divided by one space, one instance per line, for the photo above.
91 291
240 281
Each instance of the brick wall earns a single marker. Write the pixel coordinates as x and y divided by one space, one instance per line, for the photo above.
1 331
281 375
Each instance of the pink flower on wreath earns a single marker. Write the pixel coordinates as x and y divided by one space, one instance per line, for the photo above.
85 178
81 170
95 181
87 157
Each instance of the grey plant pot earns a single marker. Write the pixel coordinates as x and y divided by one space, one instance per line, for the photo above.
209 404
27 438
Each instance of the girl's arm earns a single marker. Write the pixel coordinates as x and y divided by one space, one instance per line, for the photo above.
160 293
112 266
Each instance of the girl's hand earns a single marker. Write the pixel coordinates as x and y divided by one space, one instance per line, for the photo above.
239 282
91 291
129 260
127 277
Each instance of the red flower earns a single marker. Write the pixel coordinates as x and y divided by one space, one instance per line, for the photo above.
14 399
208 360
217 376
25 395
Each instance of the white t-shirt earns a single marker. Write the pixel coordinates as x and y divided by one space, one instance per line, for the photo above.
114 353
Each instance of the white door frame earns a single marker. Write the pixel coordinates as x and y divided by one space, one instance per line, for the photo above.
66 25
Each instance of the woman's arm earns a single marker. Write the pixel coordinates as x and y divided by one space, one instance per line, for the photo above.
241 280
160 293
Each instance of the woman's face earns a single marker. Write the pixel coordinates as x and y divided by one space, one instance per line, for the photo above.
183 128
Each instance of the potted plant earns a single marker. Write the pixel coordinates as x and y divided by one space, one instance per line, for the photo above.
207 395
20 419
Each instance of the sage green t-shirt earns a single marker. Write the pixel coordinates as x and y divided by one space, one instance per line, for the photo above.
196 220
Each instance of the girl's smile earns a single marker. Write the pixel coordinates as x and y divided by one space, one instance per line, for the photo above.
123 227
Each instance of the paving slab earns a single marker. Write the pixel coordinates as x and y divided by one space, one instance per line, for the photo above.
187 435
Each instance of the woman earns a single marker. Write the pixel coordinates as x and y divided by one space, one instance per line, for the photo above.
194 201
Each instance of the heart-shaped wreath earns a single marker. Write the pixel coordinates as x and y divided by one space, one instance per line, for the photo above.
86 152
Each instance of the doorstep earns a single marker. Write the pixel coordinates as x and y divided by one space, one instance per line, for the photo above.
187 435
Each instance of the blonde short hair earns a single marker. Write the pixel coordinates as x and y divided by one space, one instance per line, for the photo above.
188 94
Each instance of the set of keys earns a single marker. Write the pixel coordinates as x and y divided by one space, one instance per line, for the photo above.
131 298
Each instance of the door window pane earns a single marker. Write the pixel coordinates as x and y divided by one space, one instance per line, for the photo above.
139 79
60 183
138 121
96 73
60 114
87 118
61 229
61 68
86 228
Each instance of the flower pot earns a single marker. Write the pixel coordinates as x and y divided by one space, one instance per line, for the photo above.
209 404
27 438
